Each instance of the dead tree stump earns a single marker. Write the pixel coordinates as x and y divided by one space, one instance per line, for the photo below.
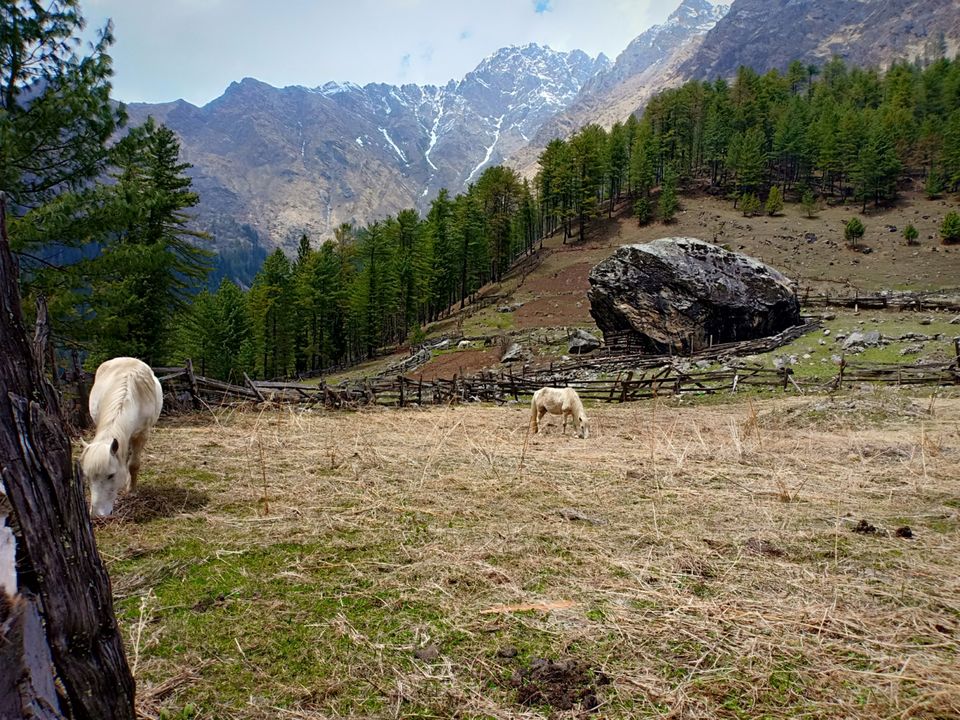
64 609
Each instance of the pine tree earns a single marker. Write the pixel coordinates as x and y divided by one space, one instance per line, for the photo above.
55 110
774 201
853 232
933 187
444 267
643 210
668 204
910 234
877 166
749 204
809 204
375 292
950 229
271 303
145 277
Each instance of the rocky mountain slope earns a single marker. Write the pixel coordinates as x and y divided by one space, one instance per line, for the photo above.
766 34
645 67
272 163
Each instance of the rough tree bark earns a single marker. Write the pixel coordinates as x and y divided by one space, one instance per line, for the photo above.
64 610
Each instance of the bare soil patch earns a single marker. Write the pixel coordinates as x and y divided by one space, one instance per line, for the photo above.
458 362
554 310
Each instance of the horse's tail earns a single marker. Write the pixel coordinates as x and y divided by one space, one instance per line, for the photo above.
534 426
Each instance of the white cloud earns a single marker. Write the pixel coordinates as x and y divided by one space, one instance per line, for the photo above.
195 48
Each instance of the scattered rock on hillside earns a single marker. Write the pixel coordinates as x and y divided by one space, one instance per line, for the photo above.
912 349
513 353
868 339
582 342
955 321
677 294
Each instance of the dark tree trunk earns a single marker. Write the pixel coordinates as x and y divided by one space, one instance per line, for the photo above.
60 575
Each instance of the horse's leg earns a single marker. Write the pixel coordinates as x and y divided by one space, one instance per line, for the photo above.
540 413
136 447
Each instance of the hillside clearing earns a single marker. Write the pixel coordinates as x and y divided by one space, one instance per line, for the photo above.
684 561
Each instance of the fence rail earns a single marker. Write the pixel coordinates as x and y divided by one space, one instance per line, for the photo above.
506 386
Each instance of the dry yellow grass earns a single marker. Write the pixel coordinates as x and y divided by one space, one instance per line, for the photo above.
414 563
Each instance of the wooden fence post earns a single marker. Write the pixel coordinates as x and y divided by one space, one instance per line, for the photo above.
194 390
402 398
256 390
83 413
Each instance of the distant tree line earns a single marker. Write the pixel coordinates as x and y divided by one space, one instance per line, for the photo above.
834 132
368 287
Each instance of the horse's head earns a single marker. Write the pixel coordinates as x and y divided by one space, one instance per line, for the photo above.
106 474
584 430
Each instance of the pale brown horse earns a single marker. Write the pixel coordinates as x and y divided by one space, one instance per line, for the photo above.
559 401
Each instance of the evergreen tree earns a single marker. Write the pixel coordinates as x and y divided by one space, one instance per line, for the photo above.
933 187
774 201
375 292
809 204
749 204
444 269
668 204
950 229
271 305
643 210
877 166
910 234
55 110
145 276
853 232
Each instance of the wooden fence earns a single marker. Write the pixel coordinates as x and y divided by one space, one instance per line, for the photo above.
946 299
671 378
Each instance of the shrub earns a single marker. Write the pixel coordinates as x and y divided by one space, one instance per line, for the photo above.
643 210
749 204
853 231
950 229
910 234
934 185
774 201
810 205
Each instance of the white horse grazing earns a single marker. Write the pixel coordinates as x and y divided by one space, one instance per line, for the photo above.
559 401
125 403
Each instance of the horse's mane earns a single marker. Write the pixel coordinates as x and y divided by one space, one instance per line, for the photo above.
129 386
95 457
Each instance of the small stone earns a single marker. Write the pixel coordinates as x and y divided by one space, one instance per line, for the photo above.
512 353
826 331
507 651
427 653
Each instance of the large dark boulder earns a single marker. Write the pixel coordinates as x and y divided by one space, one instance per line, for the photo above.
678 294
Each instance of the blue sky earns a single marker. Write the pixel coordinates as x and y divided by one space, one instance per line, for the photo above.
193 49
